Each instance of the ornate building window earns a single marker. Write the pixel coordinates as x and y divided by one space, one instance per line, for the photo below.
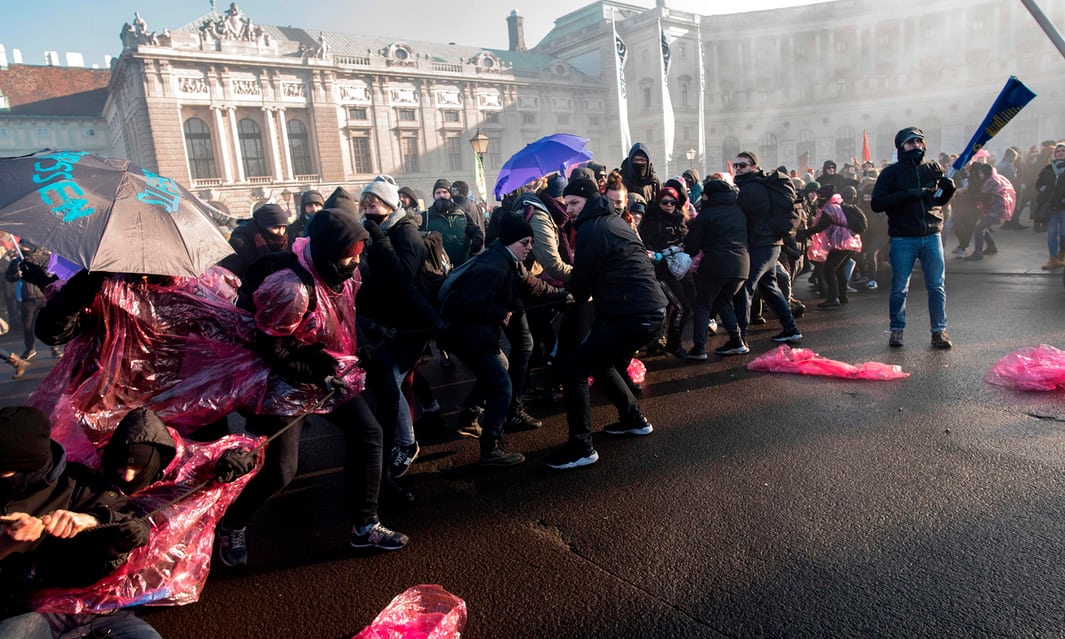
199 150
251 148
846 142
767 152
408 152
299 147
453 146
361 160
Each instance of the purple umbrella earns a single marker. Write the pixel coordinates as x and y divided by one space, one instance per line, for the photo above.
552 153
107 214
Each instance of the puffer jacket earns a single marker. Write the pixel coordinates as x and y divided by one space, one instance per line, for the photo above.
720 232
611 266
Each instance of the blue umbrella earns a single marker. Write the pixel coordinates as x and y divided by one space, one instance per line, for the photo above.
552 153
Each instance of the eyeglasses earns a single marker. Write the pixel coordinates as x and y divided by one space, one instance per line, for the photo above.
526 242
668 202
740 165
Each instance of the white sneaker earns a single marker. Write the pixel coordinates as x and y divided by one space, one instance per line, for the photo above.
871 285
959 252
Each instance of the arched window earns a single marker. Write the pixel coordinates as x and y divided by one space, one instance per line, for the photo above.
251 148
299 147
199 150
846 144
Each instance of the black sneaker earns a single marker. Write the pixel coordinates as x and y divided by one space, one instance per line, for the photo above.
400 459
636 425
793 335
572 455
697 355
521 420
895 341
679 353
375 535
941 340
733 347
467 425
501 457
232 546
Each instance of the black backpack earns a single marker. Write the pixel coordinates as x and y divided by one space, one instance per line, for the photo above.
437 264
785 208
856 218
267 265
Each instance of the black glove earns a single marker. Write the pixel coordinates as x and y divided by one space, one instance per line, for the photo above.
374 229
320 364
916 192
334 384
366 353
233 464
131 534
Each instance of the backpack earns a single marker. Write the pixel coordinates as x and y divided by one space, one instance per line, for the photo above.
453 278
437 264
785 208
856 219
267 265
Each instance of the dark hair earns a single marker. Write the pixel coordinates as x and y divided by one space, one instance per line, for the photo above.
750 156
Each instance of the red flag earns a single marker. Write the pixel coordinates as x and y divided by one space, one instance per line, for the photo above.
866 155
730 171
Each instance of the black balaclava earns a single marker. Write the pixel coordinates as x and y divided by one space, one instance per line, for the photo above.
335 235
913 156
144 457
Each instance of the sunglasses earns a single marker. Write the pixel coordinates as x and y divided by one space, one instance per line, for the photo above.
528 242
741 165
668 202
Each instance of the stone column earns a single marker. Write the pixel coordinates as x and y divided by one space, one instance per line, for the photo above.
238 157
286 152
223 142
271 129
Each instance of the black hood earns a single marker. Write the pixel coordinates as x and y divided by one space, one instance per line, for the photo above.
628 170
140 427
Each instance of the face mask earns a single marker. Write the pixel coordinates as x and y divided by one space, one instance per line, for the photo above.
913 155
377 219
1059 164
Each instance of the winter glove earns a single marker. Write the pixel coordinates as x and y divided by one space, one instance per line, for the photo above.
335 384
296 363
374 229
319 363
916 193
366 353
233 464
130 534
34 274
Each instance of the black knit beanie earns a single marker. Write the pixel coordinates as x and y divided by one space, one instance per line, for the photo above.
512 228
25 439
270 215
341 199
582 187
442 183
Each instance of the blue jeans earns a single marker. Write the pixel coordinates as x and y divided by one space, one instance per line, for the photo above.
763 260
491 388
905 251
1056 233
35 625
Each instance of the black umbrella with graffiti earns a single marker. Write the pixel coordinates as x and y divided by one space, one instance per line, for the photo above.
107 214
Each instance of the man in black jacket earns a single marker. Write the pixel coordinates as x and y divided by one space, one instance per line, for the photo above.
911 192
611 267
480 303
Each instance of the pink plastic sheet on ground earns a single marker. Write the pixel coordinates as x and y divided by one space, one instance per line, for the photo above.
803 361
422 612
1034 368
180 349
173 567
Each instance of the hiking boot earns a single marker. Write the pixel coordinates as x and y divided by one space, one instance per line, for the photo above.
635 425
734 346
467 425
1052 264
376 535
573 454
895 341
521 420
20 365
400 459
28 355
697 355
941 340
232 546
499 456
788 335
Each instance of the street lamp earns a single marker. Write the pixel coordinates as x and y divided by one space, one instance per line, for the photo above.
479 144
690 154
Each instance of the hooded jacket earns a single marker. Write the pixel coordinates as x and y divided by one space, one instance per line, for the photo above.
140 426
754 200
462 236
647 184
392 293
720 232
905 191
611 266
249 243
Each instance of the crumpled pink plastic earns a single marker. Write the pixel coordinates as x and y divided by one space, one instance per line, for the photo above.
181 349
173 567
422 612
1039 368
637 371
803 361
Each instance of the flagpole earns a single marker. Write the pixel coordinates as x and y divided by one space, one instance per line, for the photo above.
668 123
1048 26
702 105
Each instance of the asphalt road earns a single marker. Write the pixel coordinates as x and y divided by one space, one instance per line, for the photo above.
763 505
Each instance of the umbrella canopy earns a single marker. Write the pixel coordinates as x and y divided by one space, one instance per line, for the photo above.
548 154
108 214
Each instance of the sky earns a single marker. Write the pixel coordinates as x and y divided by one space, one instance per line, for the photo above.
91 27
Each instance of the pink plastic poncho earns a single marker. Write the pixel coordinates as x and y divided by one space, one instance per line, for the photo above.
1033 368
803 361
183 350
173 567
422 612
1002 198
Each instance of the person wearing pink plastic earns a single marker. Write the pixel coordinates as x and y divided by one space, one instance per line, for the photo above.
309 349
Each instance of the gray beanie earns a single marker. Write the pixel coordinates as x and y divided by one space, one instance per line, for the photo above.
384 187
